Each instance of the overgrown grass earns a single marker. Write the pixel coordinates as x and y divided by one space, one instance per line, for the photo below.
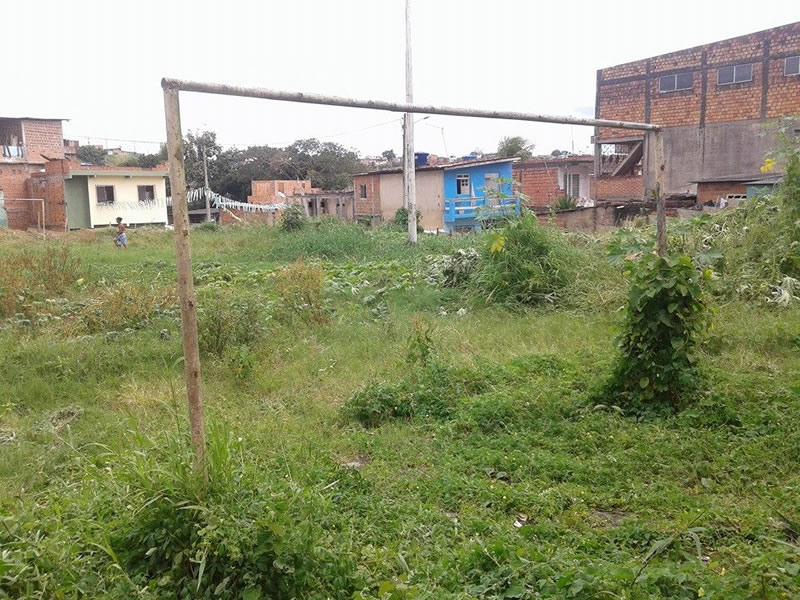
339 469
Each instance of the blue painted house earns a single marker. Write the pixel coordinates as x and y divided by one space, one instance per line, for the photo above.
477 189
453 196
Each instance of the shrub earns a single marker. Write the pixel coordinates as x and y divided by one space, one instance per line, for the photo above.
127 305
300 289
401 220
228 321
525 263
293 218
663 324
32 275
460 267
210 226
565 203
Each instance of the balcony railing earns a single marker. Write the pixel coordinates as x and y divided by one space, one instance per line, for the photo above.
469 209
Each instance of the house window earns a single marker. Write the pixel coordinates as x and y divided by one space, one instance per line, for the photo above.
574 185
105 194
491 186
462 184
146 193
791 66
363 190
737 74
673 83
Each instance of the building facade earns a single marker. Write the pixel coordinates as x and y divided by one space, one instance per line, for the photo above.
714 102
26 145
84 197
449 196
546 179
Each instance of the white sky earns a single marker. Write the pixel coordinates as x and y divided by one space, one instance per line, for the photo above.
99 63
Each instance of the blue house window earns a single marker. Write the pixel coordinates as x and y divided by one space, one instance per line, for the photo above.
462 184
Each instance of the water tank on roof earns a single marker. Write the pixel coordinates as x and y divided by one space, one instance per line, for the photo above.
421 158
470 157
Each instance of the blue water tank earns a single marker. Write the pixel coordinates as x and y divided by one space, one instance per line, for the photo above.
470 157
421 158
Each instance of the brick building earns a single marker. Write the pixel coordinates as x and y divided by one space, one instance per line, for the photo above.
545 179
714 102
26 145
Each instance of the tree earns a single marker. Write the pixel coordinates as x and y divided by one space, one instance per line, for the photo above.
515 146
193 157
149 161
93 155
389 155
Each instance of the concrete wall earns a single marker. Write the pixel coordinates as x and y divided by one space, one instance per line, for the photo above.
126 204
429 197
718 149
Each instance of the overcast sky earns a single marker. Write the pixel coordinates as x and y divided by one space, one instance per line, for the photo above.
99 63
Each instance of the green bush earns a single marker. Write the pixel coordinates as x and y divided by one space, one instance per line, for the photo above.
525 263
227 320
401 220
293 218
209 226
565 203
665 319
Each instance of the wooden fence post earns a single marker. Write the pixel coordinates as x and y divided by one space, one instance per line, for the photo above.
186 295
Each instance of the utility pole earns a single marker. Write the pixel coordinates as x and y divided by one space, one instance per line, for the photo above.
409 174
205 191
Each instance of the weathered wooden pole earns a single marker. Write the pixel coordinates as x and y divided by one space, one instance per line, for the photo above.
186 295
208 189
661 214
409 166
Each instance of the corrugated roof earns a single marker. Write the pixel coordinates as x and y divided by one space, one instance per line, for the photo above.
729 178
34 118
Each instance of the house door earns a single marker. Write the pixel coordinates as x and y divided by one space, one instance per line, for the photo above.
76 195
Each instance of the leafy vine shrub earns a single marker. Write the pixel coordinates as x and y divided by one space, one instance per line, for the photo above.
525 263
34 275
228 322
664 322
293 218
401 220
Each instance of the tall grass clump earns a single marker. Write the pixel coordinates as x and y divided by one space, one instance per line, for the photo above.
664 322
141 525
32 275
328 240
526 264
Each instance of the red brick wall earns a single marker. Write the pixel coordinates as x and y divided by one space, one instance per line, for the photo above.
676 108
539 183
621 102
50 188
709 192
622 89
371 205
12 183
43 137
734 102
783 92
620 188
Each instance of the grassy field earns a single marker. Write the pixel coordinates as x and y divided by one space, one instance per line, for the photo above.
496 475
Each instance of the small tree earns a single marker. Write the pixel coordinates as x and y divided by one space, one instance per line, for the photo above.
92 155
665 319
293 219
515 146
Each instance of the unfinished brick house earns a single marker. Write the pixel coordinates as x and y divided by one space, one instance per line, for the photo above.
715 102
26 145
546 179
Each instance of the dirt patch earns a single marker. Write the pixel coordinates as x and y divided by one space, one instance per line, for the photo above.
357 462
608 519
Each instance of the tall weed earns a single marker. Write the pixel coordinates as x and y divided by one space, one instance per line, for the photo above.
35 275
